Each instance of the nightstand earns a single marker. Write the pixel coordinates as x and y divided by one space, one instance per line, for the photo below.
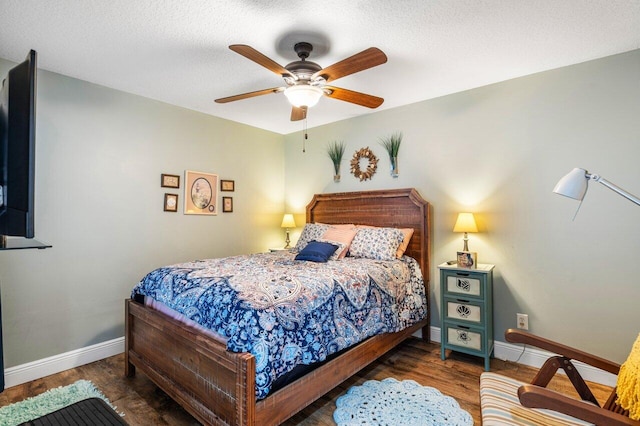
466 310
279 249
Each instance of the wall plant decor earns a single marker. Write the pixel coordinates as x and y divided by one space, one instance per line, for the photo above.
392 145
335 150
200 193
372 166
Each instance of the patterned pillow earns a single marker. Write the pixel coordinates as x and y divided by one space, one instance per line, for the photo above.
311 231
376 243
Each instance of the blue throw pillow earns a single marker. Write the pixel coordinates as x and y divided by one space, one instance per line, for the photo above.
317 252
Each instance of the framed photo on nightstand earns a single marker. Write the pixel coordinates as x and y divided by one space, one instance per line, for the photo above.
467 259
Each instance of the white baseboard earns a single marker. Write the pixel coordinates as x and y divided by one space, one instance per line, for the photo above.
41 368
24 373
533 357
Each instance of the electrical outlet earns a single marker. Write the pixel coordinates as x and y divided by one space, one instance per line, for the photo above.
523 321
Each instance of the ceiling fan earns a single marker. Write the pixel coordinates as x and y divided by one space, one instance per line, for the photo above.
306 81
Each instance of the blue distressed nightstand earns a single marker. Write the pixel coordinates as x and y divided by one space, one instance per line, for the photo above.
466 310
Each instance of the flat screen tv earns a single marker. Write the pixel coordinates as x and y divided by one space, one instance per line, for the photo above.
17 149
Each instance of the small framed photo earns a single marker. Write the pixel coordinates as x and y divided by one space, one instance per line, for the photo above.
200 193
227 204
227 185
170 202
467 259
169 181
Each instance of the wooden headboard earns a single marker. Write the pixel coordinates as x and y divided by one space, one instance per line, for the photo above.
398 208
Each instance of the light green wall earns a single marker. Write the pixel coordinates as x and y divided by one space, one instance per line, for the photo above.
498 151
100 153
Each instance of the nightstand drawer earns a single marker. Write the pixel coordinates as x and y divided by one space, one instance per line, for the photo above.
463 310
464 284
465 337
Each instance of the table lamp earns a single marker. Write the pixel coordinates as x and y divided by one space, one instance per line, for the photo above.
466 223
288 222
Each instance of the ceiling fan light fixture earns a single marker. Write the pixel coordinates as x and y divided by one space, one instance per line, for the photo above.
303 95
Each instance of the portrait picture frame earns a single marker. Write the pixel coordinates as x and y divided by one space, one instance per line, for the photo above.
200 193
227 204
170 202
169 181
467 259
227 185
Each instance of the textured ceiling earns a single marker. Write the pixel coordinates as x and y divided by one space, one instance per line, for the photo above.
176 51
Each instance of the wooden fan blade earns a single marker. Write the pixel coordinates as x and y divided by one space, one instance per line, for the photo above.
359 62
257 57
249 95
298 114
354 97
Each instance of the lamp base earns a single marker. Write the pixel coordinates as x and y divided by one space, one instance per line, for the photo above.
467 259
466 242
287 241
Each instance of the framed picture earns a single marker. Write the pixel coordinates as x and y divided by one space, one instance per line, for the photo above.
227 204
227 185
169 181
467 259
200 193
170 202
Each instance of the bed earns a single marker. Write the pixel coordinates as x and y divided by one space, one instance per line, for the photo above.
217 386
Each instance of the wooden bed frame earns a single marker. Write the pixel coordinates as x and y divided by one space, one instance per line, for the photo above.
217 386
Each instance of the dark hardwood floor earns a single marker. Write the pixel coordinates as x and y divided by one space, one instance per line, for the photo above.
144 404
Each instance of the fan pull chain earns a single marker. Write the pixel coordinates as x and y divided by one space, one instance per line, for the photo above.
306 136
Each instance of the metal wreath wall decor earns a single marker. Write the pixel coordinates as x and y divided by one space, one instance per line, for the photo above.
371 166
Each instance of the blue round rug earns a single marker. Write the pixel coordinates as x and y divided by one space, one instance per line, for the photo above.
391 402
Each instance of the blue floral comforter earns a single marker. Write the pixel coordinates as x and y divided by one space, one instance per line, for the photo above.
288 312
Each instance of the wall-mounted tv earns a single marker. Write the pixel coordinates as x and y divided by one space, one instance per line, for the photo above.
17 153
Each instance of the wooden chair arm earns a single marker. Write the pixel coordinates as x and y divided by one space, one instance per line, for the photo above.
532 396
519 336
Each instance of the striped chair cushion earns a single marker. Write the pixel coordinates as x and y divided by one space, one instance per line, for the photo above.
500 405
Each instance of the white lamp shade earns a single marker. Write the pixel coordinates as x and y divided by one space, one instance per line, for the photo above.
573 184
465 223
288 222
303 95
